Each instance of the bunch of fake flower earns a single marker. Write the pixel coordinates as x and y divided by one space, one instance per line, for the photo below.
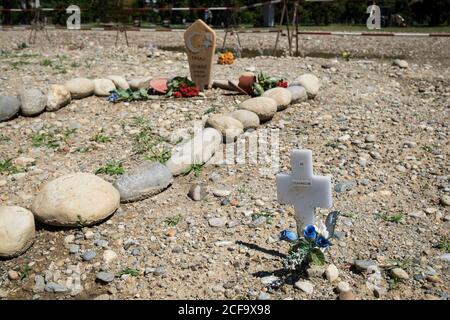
182 87
264 82
309 249
127 95
226 58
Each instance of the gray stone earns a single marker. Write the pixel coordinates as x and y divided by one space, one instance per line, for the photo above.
332 273
55 287
39 284
104 277
144 181
89 255
258 222
343 286
197 192
305 286
217 222
399 273
9 107
298 93
101 243
363 265
222 192
344 186
249 119
74 248
445 200
264 296
159 271
445 257
400 63
33 102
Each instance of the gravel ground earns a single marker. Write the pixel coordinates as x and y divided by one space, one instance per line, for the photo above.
380 131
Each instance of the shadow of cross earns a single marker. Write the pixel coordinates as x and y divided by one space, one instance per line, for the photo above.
303 189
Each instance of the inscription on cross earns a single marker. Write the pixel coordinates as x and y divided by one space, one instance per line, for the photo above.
303 189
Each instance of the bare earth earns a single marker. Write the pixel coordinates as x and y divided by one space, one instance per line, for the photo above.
397 155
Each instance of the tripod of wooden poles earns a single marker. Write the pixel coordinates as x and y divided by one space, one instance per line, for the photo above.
37 25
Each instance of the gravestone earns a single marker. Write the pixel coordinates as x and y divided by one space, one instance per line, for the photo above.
200 41
303 189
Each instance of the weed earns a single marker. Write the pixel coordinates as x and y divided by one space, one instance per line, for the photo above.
242 190
265 213
173 221
6 166
100 138
111 168
444 245
211 109
161 156
333 145
394 218
81 223
196 168
430 148
131 272
81 149
46 62
24 271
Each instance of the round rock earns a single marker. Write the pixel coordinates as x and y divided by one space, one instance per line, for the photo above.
140 83
80 88
400 63
282 96
197 192
102 87
119 82
9 107
57 97
16 231
298 93
229 127
249 120
76 198
144 181
33 102
264 107
310 82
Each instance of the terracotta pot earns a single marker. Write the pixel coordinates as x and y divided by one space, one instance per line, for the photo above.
246 81
159 85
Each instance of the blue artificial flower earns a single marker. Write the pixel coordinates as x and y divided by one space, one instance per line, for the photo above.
113 97
310 232
288 235
322 242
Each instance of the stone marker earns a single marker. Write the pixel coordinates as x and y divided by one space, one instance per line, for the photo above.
200 41
16 231
303 189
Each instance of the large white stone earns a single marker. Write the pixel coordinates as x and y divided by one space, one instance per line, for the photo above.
264 107
119 82
197 150
282 96
57 97
80 88
310 82
229 127
102 87
140 83
80 198
298 93
249 119
16 231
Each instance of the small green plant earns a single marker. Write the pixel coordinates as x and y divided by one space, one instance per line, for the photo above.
100 138
75 65
391 218
333 145
81 223
242 190
24 271
173 221
130 271
404 264
81 149
393 283
4 138
196 168
444 245
211 109
52 140
22 46
128 95
299 132
15 64
430 148
111 168
6 166
264 213
68 133
46 62
161 156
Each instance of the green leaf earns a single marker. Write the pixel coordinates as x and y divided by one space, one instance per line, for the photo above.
316 257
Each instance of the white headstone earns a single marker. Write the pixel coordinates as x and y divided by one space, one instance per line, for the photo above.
303 189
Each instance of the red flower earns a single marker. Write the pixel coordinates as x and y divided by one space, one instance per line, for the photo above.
177 94
282 84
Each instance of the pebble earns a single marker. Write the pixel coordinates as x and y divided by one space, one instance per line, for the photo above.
109 256
445 200
344 186
269 280
89 235
197 192
217 222
89 255
363 265
74 248
399 273
264 296
400 63
101 243
346 295
332 273
445 257
105 277
13 275
159 271
305 286
39 284
55 287
221 192
343 286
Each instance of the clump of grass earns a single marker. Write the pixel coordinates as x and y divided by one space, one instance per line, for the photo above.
46 62
333 145
444 245
6 166
159 155
100 138
396 218
111 168
404 264
264 213
430 148
82 149
173 221
24 271
242 190
211 109
81 223
22 46
52 140
130 271
196 168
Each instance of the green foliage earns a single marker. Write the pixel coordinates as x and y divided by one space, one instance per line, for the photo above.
6 166
158 155
175 84
111 168
129 95
264 213
173 221
81 223
430 148
4 138
196 168
52 140
391 218
24 271
130 271
264 82
211 109
444 245
100 138
333 145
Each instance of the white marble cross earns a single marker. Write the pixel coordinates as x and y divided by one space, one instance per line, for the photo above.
303 189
